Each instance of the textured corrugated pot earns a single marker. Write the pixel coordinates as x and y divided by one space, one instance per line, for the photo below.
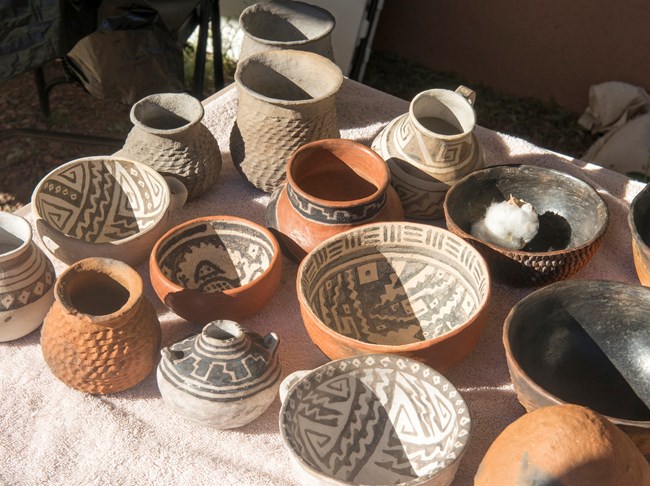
26 279
223 377
101 335
286 25
332 186
286 98
431 147
169 137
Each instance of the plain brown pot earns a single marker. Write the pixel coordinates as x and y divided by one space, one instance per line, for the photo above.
101 335
332 186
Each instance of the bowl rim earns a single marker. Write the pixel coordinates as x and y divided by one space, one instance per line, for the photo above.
392 348
153 173
513 363
377 356
156 272
454 227
636 236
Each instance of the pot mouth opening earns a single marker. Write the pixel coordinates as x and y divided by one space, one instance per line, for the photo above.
337 173
99 290
442 113
289 77
286 23
166 113
15 235
222 331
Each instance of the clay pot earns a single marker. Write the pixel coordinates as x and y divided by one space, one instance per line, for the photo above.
224 377
332 186
101 335
26 279
169 137
286 25
216 267
399 288
394 420
431 147
286 99
572 221
579 342
563 444
639 222
104 207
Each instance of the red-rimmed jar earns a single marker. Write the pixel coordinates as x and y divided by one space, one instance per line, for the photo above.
332 186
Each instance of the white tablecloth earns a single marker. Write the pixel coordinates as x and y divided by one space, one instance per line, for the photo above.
51 434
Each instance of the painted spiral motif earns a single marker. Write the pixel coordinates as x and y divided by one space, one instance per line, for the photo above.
213 258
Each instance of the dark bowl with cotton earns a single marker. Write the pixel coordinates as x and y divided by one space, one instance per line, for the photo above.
585 343
572 221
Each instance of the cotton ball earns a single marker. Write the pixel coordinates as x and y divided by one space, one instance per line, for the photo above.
510 224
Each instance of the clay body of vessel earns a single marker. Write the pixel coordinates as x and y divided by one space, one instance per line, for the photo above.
572 221
286 25
431 147
26 279
286 99
332 186
639 222
364 412
101 335
216 267
580 342
404 288
224 377
169 137
104 207
562 444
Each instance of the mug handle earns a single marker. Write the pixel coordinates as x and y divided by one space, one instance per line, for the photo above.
291 380
177 191
467 93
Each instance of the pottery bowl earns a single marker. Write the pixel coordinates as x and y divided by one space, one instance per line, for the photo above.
572 221
401 288
104 207
216 267
586 343
353 421
639 222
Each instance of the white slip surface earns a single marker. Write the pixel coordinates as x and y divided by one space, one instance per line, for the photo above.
51 434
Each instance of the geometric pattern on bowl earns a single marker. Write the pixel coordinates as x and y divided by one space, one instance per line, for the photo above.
376 419
101 200
394 284
215 256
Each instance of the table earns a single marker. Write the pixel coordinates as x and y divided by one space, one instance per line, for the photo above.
52 434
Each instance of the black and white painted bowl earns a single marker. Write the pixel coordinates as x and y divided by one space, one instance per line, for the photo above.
104 207
373 419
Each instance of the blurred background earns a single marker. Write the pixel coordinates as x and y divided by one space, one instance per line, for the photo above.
531 63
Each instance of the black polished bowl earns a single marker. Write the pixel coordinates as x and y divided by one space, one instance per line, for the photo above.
587 343
572 221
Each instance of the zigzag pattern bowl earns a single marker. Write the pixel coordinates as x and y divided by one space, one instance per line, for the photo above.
405 288
375 419
101 206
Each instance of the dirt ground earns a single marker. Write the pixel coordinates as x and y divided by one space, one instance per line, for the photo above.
24 161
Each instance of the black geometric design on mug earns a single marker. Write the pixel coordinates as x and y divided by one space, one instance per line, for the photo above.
369 421
101 201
